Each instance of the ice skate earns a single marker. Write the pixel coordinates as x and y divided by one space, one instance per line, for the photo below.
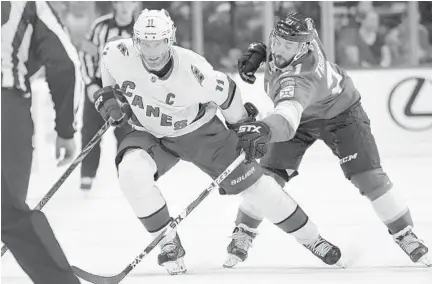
171 256
326 251
412 246
242 239
86 183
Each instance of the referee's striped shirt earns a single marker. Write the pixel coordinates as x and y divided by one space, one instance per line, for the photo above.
32 34
103 28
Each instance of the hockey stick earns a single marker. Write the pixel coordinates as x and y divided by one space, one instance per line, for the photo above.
90 145
97 279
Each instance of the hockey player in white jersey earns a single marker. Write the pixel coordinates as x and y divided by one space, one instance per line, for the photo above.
172 96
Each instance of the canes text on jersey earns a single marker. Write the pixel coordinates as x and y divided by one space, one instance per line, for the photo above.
166 120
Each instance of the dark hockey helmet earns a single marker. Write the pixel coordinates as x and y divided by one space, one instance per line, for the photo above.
295 27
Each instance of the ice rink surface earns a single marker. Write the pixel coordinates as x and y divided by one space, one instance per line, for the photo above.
100 233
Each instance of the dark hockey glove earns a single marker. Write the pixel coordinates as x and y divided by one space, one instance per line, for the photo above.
252 112
111 105
253 139
251 60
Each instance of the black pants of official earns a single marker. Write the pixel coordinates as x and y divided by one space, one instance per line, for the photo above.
26 232
92 122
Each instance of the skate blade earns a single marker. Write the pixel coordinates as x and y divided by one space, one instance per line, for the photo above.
231 261
175 267
425 260
349 256
341 264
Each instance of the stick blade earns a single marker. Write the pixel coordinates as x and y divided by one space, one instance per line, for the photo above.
97 279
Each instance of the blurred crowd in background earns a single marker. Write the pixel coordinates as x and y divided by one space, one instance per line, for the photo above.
367 34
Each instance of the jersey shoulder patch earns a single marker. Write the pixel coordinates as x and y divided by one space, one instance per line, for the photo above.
287 87
290 84
123 48
198 74
197 64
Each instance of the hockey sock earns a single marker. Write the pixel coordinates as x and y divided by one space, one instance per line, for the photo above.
156 221
294 221
268 197
307 233
392 211
390 208
246 219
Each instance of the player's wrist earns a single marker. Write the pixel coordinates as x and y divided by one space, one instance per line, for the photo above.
252 112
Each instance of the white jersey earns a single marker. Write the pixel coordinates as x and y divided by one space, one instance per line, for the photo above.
185 99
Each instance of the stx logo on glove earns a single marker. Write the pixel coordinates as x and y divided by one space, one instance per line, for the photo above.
249 128
98 102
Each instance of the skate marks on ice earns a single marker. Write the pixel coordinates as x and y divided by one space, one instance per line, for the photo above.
278 274
290 270
293 274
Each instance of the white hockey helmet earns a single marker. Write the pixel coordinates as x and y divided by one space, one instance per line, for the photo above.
153 37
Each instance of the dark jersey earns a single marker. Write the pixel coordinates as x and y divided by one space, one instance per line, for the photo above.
322 88
32 35
102 30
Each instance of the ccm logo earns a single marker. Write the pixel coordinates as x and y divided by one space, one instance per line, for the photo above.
348 158
249 128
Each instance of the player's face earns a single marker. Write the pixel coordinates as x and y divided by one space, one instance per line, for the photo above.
154 52
125 9
283 51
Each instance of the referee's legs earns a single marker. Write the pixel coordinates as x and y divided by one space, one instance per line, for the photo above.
26 232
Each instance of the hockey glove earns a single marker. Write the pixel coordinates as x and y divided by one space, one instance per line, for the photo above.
110 108
252 112
251 60
253 139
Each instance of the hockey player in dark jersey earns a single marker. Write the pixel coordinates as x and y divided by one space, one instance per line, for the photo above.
313 99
